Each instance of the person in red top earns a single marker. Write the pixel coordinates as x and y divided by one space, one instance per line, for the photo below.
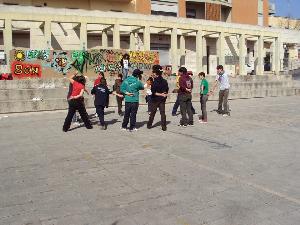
76 103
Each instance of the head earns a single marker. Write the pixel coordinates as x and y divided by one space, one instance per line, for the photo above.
201 75
120 76
103 81
81 79
150 80
182 71
220 69
126 56
157 70
101 74
137 73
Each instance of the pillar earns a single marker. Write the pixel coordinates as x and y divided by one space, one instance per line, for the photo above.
116 36
221 47
147 38
260 57
242 55
104 39
83 35
277 62
47 34
7 39
132 42
199 51
174 56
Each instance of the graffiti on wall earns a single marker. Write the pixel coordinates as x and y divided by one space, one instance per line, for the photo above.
51 63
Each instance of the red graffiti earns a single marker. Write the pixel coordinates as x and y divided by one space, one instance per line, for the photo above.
25 70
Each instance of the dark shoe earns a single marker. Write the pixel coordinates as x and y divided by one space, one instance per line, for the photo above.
103 127
91 127
191 124
164 128
149 126
64 130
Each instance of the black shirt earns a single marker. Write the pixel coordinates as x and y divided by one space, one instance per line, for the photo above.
160 85
101 93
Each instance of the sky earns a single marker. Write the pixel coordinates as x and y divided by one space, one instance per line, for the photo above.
283 8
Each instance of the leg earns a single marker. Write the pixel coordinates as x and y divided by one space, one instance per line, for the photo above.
201 104
162 110
221 96
225 101
134 110
83 114
203 108
193 109
183 109
152 114
100 112
119 101
190 111
69 117
175 107
126 115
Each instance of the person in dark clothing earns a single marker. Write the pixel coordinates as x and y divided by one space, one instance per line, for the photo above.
101 93
159 89
185 97
76 103
118 93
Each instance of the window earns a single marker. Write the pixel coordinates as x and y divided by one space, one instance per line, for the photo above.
191 13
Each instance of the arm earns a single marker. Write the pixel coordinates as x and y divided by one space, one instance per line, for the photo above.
86 91
124 91
71 78
77 96
214 87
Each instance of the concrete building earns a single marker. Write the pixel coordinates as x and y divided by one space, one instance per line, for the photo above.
195 33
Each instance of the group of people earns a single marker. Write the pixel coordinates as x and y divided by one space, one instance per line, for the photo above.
157 90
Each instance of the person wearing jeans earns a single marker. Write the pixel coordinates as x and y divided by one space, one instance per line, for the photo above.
125 64
223 79
203 97
130 88
185 97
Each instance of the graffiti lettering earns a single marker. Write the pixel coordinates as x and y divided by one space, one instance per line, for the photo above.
22 70
37 54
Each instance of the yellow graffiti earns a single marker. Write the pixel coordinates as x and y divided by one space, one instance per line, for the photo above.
20 55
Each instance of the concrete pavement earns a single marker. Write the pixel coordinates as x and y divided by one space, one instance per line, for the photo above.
238 170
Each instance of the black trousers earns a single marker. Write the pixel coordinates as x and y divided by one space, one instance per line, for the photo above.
153 108
131 109
100 113
185 102
119 102
77 104
176 106
203 100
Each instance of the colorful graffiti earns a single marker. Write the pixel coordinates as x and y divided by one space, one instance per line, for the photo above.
49 63
25 70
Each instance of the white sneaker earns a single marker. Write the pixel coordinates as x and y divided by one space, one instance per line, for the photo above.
201 121
123 129
225 115
76 123
134 129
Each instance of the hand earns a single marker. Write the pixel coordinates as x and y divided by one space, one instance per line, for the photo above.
129 94
70 98
210 93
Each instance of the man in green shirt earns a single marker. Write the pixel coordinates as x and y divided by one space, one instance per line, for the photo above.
203 96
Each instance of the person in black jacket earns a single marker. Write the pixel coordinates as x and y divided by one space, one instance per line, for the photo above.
101 93
159 89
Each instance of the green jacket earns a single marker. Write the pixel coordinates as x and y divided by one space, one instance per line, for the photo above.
132 85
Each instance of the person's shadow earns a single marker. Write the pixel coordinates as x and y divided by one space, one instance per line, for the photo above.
159 124
140 124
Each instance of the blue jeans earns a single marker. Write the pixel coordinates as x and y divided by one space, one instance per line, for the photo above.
125 73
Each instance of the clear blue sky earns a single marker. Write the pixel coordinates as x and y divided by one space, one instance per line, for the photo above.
283 8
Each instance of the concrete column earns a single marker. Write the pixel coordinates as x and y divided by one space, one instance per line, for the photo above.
7 39
199 51
116 37
104 39
147 38
132 42
242 54
47 34
174 55
182 45
260 57
221 47
83 35
277 62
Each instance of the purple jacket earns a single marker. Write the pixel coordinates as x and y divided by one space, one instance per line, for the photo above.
185 81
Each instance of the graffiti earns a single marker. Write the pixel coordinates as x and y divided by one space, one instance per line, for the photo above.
57 63
37 54
60 62
21 70
19 55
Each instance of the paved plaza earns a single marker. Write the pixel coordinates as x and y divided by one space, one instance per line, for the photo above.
238 170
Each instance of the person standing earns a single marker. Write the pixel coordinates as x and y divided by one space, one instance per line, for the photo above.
125 64
159 89
147 87
130 88
185 97
101 93
76 103
203 97
223 79
119 96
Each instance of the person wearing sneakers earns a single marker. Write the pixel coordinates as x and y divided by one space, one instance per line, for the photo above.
203 97
117 91
223 79
101 93
185 97
159 89
130 88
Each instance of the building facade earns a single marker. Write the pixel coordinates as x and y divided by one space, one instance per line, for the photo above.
198 34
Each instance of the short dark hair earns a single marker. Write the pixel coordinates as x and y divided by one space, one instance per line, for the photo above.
101 73
103 81
120 75
220 67
182 70
81 79
157 69
201 74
